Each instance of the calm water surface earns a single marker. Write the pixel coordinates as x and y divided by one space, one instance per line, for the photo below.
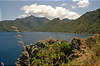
10 50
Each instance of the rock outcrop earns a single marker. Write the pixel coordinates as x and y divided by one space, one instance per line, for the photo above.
81 50
86 51
30 51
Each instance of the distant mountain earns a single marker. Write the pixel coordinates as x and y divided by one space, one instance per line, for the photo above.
65 19
88 23
24 24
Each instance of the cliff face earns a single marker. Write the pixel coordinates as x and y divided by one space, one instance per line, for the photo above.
79 52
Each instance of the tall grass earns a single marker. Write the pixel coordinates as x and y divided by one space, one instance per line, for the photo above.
19 36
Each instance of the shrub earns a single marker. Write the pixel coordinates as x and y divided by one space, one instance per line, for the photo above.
65 47
52 54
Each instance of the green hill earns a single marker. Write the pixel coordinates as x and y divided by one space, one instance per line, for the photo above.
23 24
88 23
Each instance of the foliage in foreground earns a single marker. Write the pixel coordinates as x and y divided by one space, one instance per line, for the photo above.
52 54
60 53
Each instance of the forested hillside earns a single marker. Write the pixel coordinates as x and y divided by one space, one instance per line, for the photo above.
23 24
88 23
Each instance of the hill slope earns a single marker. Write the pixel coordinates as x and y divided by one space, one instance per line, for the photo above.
60 53
88 23
24 24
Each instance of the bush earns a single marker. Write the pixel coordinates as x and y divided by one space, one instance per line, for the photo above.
65 47
52 54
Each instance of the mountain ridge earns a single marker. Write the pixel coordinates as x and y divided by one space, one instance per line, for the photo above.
88 23
23 24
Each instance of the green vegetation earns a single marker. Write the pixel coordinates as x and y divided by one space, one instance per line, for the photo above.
52 54
55 52
7 26
88 23
24 24
60 53
65 47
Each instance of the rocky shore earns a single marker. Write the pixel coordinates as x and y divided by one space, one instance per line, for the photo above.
79 52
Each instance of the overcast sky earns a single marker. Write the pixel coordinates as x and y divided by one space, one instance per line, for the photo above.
71 9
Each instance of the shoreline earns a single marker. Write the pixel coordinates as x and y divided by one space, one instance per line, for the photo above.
63 32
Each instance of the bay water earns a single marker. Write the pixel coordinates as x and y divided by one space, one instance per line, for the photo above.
10 50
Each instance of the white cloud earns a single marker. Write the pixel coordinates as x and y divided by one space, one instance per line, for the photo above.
49 12
73 6
79 0
64 4
83 3
22 16
75 0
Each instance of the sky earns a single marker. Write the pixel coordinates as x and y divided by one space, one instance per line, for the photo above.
0 14
71 9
